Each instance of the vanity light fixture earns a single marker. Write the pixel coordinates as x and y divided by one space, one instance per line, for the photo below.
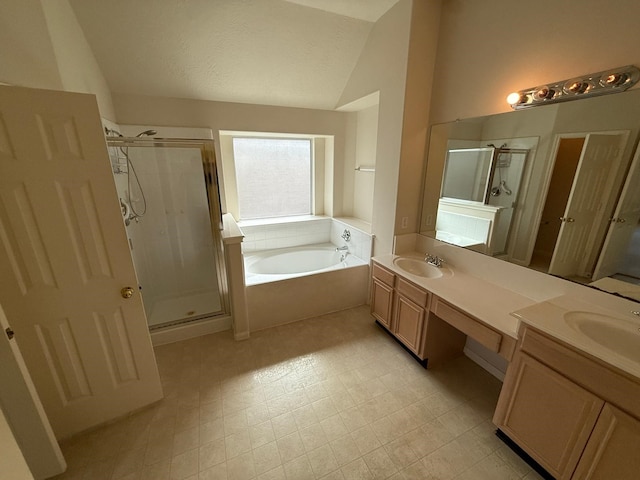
600 83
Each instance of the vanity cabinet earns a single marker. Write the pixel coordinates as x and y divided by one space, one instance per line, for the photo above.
410 316
404 309
382 295
565 410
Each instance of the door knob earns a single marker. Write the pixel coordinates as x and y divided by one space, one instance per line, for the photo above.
126 292
567 219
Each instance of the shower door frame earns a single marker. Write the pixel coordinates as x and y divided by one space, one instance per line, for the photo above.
212 189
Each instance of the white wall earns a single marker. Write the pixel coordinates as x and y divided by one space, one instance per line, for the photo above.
26 51
382 66
78 68
223 116
491 48
361 194
43 46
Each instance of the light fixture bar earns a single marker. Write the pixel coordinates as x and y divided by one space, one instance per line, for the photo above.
594 84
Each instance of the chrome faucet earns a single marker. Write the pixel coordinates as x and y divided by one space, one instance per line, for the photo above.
340 249
434 260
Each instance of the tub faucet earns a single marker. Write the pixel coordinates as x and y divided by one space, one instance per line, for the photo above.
340 249
434 260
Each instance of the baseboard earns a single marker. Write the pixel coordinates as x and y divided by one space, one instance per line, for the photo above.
194 329
484 364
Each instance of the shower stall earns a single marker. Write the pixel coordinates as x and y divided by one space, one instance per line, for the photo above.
170 204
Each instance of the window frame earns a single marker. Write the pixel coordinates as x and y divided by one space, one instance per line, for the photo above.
322 153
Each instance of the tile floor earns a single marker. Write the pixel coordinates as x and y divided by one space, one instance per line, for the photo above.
332 397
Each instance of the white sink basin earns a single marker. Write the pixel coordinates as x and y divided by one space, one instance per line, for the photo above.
417 267
619 336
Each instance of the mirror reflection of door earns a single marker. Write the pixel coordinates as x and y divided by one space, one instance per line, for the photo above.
564 170
620 257
582 225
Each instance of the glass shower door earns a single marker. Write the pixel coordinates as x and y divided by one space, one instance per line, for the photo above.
170 205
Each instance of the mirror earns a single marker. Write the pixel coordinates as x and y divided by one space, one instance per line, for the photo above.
573 175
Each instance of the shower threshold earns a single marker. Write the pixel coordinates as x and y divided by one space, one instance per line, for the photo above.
184 308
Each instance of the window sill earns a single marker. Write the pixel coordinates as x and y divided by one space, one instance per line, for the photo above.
280 220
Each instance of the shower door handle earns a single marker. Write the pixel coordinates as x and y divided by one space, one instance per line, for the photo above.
126 292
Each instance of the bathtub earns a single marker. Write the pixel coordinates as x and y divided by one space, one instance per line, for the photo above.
290 284
283 263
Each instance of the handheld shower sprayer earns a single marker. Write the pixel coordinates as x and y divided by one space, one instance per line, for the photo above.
149 133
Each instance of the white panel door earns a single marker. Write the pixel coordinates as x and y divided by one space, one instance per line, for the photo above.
64 259
598 165
623 224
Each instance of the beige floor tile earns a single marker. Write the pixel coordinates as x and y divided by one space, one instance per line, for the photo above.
241 467
237 444
365 439
217 472
186 440
345 450
313 437
489 468
357 470
322 461
305 416
266 457
401 453
212 453
380 464
184 465
334 427
284 425
158 471
211 431
448 461
336 475
324 408
275 474
326 393
299 469
290 446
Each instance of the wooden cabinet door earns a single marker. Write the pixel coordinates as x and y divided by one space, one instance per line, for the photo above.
382 302
409 322
546 414
613 451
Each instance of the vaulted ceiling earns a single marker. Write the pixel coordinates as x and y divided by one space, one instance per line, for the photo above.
297 53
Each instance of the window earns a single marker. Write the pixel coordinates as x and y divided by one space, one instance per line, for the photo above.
273 176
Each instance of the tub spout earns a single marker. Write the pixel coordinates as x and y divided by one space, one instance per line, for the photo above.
340 249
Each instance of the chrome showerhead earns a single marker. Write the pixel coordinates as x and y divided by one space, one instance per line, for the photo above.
149 133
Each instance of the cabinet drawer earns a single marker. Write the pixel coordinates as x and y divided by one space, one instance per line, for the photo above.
384 275
413 293
470 326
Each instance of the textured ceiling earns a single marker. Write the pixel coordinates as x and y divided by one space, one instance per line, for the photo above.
271 52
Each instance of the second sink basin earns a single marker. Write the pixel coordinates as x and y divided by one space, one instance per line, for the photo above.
418 267
619 336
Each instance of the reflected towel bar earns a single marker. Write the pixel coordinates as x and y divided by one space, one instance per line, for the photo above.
365 169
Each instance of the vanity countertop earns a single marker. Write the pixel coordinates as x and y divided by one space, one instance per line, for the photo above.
485 301
503 310
549 317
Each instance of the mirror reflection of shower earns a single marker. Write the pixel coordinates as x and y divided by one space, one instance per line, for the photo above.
130 210
479 195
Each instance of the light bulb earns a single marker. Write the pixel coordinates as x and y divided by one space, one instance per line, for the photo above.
514 98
